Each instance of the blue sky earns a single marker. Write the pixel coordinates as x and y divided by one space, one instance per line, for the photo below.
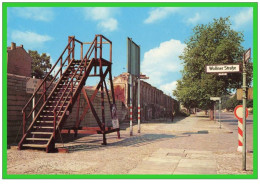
160 32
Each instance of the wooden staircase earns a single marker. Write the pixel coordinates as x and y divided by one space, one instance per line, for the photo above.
63 91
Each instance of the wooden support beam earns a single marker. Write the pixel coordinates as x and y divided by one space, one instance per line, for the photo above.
92 109
86 108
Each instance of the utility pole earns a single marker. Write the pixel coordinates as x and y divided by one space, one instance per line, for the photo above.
246 58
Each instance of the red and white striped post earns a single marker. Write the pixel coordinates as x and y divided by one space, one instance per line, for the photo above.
131 105
240 135
139 107
239 115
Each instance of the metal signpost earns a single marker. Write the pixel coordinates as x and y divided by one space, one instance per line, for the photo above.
247 56
223 69
219 107
133 68
31 85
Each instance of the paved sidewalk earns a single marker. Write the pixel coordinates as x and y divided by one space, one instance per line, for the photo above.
192 145
177 161
206 149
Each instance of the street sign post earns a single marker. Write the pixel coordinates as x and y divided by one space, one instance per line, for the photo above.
246 57
219 107
133 68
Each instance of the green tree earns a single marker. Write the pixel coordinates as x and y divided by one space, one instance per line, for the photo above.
231 103
213 43
40 64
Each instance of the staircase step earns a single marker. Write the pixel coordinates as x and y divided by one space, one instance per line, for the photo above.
35 145
47 127
62 92
48 116
48 133
64 88
37 139
55 101
44 121
54 105
68 81
50 111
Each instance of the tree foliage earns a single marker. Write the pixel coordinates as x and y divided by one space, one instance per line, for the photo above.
40 64
213 43
231 103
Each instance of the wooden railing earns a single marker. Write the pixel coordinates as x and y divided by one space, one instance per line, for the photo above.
46 85
94 45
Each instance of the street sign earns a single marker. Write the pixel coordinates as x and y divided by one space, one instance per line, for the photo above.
249 94
215 98
225 68
32 85
247 55
133 57
239 112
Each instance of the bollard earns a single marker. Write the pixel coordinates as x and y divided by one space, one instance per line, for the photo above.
240 135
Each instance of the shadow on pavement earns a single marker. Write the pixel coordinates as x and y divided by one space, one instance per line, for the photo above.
95 140
198 132
131 141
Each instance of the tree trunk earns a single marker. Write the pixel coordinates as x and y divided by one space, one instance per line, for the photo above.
211 115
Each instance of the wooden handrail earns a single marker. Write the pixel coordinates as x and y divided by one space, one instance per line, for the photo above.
45 78
86 58
45 91
82 70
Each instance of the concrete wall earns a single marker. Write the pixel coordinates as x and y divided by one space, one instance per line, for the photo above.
89 119
154 103
17 99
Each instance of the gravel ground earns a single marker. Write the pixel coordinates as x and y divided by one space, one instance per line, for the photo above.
87 155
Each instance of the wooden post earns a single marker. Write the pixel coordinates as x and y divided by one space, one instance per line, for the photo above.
81 51
54 124
69 47
61 67
44 91
24 122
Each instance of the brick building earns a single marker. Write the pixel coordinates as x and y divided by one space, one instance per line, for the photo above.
18 61
154 103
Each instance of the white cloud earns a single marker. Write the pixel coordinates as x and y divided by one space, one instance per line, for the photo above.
104 17
29 39
160 62
109 24
160 13
195 19
168 88
33 13
243 18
